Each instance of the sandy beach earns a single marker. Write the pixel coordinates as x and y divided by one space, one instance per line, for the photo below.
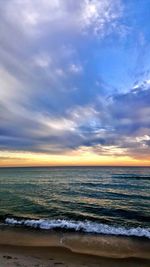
12 256
42 249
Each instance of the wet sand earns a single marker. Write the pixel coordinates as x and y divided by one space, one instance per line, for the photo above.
43 248
12 256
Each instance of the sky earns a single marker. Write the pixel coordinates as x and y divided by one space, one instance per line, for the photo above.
74 82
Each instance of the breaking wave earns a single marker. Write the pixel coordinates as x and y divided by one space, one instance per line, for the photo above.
79 226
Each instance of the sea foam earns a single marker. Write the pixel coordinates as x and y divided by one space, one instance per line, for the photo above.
82 226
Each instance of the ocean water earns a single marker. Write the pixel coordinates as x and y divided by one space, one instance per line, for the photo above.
101 200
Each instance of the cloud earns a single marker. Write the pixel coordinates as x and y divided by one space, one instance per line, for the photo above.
76 69
100 16
42 61
111 129
53 97
11 87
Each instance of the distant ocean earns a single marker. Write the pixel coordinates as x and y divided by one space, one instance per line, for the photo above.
99 200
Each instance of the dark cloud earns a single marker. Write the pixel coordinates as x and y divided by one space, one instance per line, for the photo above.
122 122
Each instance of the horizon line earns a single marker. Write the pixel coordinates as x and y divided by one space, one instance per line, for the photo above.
72 166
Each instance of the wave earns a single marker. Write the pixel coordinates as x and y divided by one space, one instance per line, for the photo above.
131 176
79 226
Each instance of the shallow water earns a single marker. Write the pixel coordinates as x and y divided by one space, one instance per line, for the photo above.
104 198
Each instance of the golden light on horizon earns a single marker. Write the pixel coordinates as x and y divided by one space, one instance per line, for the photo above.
80 157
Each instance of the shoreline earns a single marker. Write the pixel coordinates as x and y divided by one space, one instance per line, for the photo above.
26 247
77 226
98 245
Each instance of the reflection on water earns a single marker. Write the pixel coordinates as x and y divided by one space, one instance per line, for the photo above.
114 195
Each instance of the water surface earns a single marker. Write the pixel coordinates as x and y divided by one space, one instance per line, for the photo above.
113 196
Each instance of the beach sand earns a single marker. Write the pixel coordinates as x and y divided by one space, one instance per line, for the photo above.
12 256
42 249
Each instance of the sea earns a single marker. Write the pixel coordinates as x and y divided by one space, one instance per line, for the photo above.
98 200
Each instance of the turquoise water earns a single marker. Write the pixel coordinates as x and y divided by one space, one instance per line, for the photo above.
109 196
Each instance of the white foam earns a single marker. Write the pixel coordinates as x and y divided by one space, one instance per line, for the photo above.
86 226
